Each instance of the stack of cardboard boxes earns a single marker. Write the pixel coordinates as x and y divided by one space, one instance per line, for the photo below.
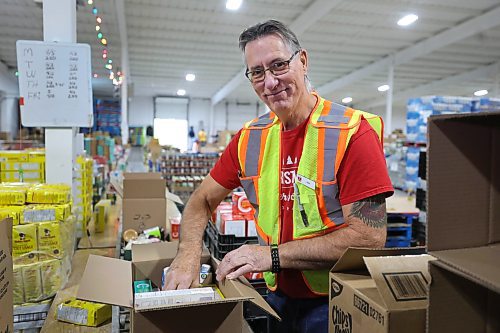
383 291
101 144
144 202
464 223
236 217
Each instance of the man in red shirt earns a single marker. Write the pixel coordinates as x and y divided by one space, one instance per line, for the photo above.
277 69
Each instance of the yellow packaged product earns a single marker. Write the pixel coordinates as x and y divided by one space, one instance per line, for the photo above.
18 287
32 280
83 313
24 244
11 211
49 194
50 242
36 156
12 196
13 156
52 277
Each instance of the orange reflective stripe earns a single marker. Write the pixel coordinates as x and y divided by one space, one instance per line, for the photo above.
261 233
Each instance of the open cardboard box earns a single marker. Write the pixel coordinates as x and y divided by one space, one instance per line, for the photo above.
463 228
379 290
110 281
6 279
144 204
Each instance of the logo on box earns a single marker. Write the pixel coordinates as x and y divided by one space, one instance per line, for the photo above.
336 289
342 321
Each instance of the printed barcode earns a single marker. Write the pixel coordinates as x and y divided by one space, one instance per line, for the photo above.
408 286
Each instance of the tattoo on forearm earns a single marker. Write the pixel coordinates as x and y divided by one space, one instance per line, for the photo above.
371 211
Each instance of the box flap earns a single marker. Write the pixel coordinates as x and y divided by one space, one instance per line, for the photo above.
402 281
455 164
139 185
173 197
481 264
142 175
117 186
352 258
247 290
107 280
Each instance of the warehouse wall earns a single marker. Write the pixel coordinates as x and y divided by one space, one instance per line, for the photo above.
140 111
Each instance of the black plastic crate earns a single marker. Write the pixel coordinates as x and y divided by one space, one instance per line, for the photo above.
422 165
219 245
421 199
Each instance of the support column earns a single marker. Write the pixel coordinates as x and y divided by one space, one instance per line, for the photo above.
496 82
212 120
59 25
388 107
9 117
120 10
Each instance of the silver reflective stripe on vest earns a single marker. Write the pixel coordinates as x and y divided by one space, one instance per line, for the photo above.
263 121
334 119
330 191
253 150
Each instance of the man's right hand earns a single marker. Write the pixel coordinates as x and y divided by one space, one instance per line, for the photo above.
184 272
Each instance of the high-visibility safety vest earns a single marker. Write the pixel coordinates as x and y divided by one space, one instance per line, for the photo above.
316 210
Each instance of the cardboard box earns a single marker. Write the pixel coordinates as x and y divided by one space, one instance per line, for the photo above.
110 281
379 290
6 279
463 222
144 203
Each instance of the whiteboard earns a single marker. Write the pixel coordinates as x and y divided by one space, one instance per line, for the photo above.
55 84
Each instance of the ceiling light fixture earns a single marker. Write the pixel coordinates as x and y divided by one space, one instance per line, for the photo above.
233 4
481 93
181 92
407 20
190 77
347 100
383 88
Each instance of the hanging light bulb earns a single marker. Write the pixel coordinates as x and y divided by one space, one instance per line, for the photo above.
94 11
95 75
105 51
119 73
104 55
97 27
110 61
104 41
98 19
99 35
90 2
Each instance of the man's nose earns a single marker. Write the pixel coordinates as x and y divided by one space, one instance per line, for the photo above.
270 81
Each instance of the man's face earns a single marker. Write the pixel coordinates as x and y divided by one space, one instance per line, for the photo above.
280 93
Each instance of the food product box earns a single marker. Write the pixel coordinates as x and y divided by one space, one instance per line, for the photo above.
83 313
6 277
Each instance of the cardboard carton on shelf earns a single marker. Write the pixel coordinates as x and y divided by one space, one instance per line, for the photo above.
110 281
6 279
463 222
379 290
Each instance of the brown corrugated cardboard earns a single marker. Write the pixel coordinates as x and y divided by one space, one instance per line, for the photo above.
464 222
379 290
6 280
144 203
115 287
138 185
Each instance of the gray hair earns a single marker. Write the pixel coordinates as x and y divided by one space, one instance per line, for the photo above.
273 27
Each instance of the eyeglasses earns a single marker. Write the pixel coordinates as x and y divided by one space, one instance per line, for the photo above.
277 68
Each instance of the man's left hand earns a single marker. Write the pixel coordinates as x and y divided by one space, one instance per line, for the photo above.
247 258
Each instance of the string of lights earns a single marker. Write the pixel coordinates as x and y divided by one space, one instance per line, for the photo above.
117 78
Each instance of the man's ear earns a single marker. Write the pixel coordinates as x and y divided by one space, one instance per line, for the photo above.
304 59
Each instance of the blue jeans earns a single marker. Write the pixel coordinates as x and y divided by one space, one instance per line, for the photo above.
298 315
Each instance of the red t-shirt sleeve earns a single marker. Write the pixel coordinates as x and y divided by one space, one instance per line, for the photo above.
363 171
226 170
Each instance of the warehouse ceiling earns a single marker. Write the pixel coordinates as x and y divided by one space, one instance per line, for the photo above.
452 49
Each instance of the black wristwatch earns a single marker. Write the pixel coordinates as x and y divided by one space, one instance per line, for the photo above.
275 257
